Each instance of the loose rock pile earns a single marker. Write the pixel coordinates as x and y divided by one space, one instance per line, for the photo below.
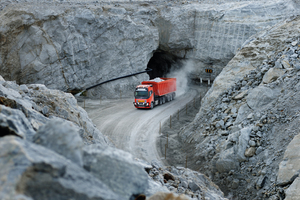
241 143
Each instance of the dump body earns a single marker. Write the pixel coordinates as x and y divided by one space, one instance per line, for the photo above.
154 92
164 87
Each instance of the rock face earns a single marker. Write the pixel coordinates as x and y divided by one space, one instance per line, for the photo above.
61 137
68 45
116 169
38 173
245 124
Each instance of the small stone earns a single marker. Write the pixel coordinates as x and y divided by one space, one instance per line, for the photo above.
250 152
286 64
225 99
250 116
193 186
24 88
278 64
252 143
183 184
235 184
294 43
259 134
240 95
45 110
260 182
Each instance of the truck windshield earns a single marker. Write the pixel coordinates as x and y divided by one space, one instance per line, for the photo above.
141 93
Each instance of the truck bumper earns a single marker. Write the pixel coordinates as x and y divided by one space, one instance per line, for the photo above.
141 105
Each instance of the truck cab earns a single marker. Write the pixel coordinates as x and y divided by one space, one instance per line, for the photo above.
144 96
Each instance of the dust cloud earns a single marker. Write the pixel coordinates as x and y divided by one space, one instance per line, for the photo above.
181 74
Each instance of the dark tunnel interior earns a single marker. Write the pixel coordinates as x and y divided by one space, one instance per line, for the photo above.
162 63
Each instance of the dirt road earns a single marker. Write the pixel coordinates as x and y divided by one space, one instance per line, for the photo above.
134 130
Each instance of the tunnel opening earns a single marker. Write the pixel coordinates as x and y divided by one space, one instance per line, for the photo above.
163 63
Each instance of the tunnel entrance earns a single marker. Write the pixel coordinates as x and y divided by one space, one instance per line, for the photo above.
162 63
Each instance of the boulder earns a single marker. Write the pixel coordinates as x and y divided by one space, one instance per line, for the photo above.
62 137
36 172
293 192
289 168
243 112
261 97
273 74
227 160
14 122
117 169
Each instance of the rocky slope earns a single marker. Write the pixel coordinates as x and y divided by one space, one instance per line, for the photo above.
70 45
50 149
243 135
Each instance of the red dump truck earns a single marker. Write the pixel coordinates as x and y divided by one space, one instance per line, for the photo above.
154 92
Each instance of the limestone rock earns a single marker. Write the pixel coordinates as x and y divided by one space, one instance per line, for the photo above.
240 95
250 152
243 112
39 104
227 161
289 168
63 138
261 97
293 193
164 195
38 173
117 169
14 122
272 75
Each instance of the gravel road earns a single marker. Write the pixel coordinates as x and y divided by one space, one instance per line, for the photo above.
134 130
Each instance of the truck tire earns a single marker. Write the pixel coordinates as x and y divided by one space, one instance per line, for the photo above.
152 105
163 100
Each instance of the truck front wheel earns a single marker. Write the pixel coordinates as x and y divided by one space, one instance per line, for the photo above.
152 105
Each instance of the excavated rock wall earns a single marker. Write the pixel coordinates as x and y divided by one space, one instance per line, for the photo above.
242 135
71 45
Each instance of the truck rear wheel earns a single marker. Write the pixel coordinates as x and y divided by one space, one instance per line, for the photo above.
163 100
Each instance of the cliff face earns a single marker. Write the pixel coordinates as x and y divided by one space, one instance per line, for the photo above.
241 136
71 45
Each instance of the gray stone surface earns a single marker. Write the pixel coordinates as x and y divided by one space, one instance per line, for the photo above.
32 104
63 138
14 122
272 75
292 193
261 97
39 173
289 168
117 169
